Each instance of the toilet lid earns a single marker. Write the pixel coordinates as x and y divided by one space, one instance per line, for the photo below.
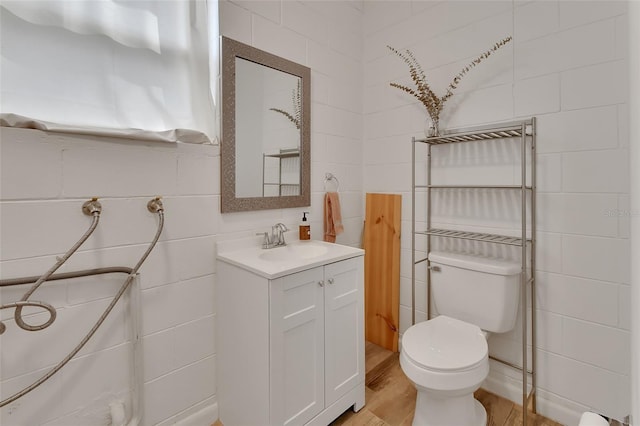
445 343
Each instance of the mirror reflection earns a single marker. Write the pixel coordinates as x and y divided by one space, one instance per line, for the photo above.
265 151
268 108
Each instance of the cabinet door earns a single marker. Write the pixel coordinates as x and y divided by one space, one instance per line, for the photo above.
297 347
344 328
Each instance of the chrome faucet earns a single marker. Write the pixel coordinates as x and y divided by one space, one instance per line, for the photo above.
277 234
276 239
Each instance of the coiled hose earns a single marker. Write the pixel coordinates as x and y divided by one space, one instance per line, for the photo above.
155 206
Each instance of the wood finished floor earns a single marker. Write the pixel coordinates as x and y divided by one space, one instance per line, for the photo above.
391 398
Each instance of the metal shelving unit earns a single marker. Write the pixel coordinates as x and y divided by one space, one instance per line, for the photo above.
521 132
281 155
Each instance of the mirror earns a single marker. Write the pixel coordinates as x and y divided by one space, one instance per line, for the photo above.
265 151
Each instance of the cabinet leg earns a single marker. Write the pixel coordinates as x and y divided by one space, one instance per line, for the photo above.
359 402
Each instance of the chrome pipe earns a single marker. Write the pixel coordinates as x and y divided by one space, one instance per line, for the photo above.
10 282
475 187
429 235
532 247
523 272
413 231
509 364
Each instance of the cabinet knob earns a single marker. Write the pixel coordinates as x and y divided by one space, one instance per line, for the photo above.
330 280
321 283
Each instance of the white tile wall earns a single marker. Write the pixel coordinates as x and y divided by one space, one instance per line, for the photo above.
549 172
597 258
581 298
587 44
578 343
276 39
270 9
379 15
560 375
624 312
578 90
25 183
50 177
304 20
536 19
596 171
195 381
45 179
567 66
49 398
568 131
584 214
84 168
573 14
550 336
536 57
622 36
538 95
237 22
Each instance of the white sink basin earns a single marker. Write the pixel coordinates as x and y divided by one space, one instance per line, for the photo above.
300 250
276 262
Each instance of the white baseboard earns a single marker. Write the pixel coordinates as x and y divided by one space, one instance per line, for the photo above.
549 405
205 417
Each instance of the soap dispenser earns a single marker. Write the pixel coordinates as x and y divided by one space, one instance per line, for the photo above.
305 228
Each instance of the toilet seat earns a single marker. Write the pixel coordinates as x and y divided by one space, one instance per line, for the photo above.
445 344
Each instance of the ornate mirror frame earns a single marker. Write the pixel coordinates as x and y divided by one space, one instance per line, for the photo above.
229 202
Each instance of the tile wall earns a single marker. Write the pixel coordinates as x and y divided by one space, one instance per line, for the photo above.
45 179
326 37
567 66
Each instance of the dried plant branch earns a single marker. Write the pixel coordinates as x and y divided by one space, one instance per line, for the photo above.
289 116
296 117
423 92
456 80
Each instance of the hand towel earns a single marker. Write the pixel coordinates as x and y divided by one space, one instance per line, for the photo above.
332 217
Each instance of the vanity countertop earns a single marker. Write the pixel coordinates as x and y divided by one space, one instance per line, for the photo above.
276 262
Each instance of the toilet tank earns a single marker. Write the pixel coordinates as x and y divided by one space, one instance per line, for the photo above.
480 290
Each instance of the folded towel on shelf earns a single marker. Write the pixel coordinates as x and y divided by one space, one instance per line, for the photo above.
332 217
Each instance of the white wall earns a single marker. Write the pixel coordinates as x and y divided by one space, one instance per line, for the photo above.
566 66
326 37
46 178
634 164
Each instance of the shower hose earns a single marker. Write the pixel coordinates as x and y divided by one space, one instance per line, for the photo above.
92 208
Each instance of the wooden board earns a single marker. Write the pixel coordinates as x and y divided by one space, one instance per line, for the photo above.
382 269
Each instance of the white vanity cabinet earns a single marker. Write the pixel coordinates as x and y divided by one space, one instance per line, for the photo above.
290 348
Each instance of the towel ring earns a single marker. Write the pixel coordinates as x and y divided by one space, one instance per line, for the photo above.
328 177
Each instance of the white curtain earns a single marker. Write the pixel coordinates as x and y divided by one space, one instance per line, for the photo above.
124 68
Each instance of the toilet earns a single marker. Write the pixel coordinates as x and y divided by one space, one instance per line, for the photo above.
447 357
592 419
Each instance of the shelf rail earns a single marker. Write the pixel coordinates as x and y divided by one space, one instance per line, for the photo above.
476 236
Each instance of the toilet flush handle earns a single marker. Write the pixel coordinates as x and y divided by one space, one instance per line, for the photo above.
434 268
